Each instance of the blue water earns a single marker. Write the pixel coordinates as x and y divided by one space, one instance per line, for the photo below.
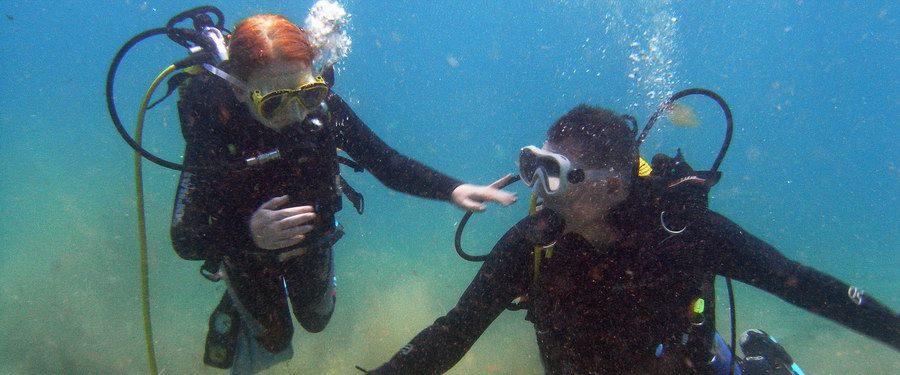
460 86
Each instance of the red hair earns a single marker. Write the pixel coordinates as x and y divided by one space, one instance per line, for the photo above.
263 39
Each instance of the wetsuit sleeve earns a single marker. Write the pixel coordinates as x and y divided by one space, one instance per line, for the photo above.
501 278
394 170
753 261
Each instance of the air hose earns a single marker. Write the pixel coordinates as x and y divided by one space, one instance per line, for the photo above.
142 226
203 46
457 241
729 119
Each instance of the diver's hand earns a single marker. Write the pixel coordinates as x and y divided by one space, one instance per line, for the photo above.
273 228
472 197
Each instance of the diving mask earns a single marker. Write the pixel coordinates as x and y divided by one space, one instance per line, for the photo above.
552 171
309 96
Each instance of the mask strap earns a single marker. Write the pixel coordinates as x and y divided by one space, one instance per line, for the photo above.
228 77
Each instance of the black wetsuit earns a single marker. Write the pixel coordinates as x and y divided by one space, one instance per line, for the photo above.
213 206
606 311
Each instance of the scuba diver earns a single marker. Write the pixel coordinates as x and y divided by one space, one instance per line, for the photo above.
616 268
268 229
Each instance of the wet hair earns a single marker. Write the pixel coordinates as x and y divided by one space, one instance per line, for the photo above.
262 39
600 136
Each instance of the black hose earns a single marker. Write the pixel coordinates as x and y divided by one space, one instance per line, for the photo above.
200 17
458 241
729 120
111 104
465 219
733 325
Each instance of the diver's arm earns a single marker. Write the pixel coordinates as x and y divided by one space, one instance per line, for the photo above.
440 346
394 170
755 262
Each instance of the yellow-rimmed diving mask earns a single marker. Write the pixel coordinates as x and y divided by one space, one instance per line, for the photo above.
309 96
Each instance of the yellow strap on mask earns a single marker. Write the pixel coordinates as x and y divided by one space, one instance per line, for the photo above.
539 251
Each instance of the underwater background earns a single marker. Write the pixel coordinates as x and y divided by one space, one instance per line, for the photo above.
461 86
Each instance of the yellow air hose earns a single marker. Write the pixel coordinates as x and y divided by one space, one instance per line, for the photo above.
539 251
142 227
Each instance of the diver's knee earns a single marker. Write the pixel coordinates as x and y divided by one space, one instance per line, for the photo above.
315 320
315 323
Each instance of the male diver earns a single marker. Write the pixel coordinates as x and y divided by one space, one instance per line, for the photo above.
625 287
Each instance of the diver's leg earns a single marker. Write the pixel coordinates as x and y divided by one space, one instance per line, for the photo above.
257 292
311 288
251 357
